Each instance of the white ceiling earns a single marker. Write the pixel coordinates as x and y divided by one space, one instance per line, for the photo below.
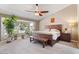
19 10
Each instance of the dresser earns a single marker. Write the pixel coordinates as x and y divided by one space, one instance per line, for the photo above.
65 37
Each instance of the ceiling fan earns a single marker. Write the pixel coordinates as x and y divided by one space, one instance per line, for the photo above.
37 11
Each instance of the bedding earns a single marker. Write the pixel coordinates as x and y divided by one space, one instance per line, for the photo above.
54 32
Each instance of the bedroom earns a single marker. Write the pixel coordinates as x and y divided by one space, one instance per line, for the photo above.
58 14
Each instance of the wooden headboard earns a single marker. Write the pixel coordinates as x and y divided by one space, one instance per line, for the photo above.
58 27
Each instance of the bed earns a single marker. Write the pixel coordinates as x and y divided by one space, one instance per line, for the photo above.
48 37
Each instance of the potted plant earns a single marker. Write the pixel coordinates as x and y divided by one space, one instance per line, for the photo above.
28 31
9 23
22 28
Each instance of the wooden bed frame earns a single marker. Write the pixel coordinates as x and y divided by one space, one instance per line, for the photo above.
58 27
47 39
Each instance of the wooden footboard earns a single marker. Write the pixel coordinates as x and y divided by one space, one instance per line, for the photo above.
45 39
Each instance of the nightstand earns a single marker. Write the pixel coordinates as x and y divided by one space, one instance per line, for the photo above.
66 37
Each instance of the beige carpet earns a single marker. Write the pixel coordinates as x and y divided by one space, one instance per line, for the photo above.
23 46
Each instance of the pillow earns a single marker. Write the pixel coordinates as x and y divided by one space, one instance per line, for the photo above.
55 30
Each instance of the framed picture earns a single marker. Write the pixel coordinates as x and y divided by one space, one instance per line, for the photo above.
52 20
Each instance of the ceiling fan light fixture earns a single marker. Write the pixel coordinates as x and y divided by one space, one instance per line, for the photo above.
36 14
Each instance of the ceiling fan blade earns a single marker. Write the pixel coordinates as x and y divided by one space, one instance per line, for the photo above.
30 11
40 14
44 11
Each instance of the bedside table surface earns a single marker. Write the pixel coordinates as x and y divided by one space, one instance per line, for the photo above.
66 37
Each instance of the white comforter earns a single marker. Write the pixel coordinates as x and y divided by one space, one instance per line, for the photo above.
55 33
